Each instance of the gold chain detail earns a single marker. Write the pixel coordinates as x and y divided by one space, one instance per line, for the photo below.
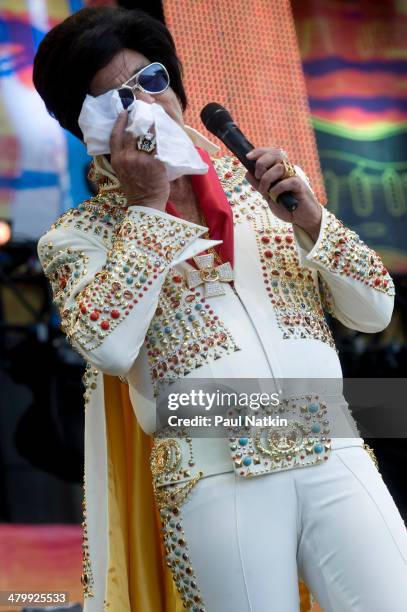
171 496
372 454
218 258
87 575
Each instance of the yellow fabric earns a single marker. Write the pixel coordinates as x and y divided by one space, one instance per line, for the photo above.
138 579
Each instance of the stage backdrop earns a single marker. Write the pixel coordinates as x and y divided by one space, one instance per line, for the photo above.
355 62
245 56
41 165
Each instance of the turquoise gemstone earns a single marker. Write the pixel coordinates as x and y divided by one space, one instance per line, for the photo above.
142 279
129 280
198 306
106 218
126 268
191 317
243 441
76 274
167 329
313 407
318 448
156 326
178 315
316 428
247 461
237 188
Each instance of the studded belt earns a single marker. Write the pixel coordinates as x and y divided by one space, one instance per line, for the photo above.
300 438
295 433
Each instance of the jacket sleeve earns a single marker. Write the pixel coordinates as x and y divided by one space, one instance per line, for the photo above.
354 283
107 294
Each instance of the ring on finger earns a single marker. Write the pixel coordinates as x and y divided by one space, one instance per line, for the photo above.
289 170
147 142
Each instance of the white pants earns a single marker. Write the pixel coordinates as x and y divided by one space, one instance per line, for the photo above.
335 525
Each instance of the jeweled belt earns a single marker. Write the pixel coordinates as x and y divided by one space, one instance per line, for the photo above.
293 434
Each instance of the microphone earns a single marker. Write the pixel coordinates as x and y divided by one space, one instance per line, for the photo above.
219 122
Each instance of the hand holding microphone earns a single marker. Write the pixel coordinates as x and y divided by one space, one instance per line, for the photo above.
270 173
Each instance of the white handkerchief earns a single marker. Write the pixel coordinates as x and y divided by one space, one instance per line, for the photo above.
174 148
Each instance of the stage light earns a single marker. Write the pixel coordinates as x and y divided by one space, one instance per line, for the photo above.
5 231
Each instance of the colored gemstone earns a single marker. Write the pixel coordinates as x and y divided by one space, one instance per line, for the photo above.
243 441
318 448
247 461
313 407
265 239
105 325
115 314
94 316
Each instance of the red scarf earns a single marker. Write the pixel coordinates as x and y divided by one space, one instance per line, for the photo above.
214 206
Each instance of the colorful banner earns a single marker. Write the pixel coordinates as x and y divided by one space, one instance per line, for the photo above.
37 179
355 62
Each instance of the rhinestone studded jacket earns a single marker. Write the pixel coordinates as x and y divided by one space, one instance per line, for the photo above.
118 277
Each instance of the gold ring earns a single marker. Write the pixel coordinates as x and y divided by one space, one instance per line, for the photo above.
289 170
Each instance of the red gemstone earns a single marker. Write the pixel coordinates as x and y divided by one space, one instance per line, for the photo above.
177 279
277 238
105 325
268 254
115 314
94 316
265 239
289 239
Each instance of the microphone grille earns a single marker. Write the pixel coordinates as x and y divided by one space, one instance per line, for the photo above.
214 116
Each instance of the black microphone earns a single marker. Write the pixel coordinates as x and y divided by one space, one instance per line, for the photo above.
219 122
